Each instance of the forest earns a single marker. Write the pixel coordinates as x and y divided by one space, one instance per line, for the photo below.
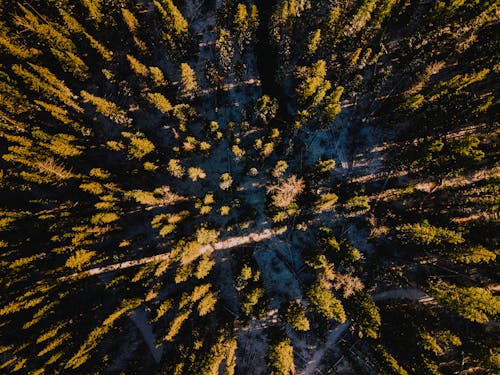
249 187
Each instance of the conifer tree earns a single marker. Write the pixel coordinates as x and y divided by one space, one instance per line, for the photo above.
160 102
188 80
107 108
225 50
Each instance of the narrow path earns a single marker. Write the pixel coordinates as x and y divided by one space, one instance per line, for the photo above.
313 364
221 245
413 294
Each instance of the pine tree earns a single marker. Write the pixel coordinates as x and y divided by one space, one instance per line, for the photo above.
426 234
196 173
80 259
294 314
140 146
94 9
280 357
172 20
207 303
314 42
225 181
71 63
324 302
15 47
189 83
46 31
160 102
107 108
314 85
157 76
241 26
363 314
362 16
332 103
175 168
137 67
225 50
47 83
472 303
75 27
130 20
266 108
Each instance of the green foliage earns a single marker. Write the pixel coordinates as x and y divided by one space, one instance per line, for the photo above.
332 103
93 188
324 302
472 303
388 362
46 31
161 196
80 259
103 218
294 314
172 20
251 299
139 145
94 9
326 202
41 80
280 168
439 342
107 108
177 323
204 267
242 25
238 152
207 303
266 108
99 173
137 67
189 83
225 50
280 358
130 20
363 314
196 173
96 335
362 16
225 181
314 85
314 41
175 168
473 255
426 234
358 204
15 47
162 309
71 63
157 76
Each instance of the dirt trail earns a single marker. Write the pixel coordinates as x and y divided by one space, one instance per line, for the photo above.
313 364
221 245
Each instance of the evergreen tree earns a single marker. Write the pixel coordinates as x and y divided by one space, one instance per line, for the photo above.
324 302
280 357
189 83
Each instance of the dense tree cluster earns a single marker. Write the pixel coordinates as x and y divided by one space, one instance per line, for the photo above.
239 186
